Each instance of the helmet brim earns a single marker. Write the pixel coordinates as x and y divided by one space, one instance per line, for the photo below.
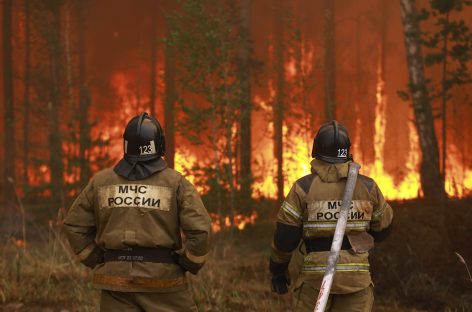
333 160
140 158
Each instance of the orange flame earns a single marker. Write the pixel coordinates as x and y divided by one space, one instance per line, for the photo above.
20 243
458 181
409 187
296 162
296 151
240 221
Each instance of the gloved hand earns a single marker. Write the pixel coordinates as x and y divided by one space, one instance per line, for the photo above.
185 263
280 283
95 257
280 277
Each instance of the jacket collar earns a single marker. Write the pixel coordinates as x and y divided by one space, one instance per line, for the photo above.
138 170
329 172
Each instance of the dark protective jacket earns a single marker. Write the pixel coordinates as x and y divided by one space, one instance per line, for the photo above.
115 213
310 212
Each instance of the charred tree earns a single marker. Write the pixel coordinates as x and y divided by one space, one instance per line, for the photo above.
359 96
85 141
9 119
329 60
228 121
279 96
70 138
302 83
55 138
152 94
431 180
169 103
246 105
26 102
444 95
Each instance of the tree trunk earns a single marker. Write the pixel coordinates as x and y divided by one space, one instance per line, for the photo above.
232 186
227 116
9 121
431 180
26 107
169 104
383 41
246 106
216 160
152 95
329 60
279 97
55 140
444 102
381 105
72 139
85 140
358 143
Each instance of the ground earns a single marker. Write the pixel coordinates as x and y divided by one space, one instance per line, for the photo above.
415 269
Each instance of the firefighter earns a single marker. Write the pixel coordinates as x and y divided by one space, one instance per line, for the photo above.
310 212
126 225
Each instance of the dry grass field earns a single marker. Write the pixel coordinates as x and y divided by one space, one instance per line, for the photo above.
409 273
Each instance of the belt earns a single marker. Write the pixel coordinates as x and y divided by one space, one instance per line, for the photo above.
324 244
140 254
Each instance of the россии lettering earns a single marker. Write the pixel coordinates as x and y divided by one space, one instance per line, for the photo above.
135 195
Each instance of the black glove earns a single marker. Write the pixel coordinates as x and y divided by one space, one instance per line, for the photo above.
280 277
280 283
95 257
186 264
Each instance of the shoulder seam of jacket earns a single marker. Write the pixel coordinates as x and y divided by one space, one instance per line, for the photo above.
305 182
368 182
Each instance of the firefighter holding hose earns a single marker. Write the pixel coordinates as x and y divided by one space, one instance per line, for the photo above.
126 225
310 213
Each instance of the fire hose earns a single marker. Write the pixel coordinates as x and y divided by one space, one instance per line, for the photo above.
338 238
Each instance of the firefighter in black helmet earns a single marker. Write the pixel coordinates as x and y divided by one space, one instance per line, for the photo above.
332 143
127 223
143 145
310 212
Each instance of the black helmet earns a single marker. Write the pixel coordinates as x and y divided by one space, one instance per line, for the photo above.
332 143
143 139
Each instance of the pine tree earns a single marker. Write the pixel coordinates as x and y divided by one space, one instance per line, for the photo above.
206 49
278 106
329 60
169 101
85 141
450 48
9 119
246 105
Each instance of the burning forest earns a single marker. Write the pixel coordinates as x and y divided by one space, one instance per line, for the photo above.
240 88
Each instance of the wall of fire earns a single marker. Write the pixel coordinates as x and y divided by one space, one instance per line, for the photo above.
368 76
